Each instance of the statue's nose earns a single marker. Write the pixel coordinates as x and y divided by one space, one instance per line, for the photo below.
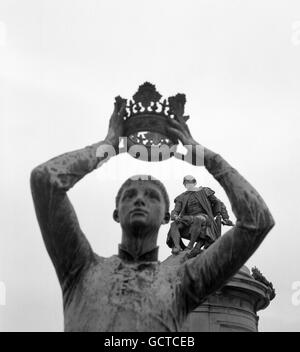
139 201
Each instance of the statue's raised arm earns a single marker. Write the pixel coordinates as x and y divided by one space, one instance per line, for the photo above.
208 271
66 244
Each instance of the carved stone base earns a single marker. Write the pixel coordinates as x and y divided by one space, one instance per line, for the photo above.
233 308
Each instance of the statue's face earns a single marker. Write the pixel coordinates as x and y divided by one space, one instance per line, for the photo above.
141 205
189 185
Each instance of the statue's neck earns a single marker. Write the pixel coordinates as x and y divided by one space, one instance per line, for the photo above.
139 247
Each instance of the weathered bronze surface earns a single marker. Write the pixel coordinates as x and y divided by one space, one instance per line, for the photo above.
133 291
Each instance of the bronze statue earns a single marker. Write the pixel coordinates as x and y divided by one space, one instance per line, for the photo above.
198 215
133 291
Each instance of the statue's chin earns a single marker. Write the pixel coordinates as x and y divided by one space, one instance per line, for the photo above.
138 217
137 224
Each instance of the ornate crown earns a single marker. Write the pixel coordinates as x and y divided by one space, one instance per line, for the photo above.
147 114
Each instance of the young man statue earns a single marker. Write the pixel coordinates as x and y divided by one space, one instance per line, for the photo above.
132 291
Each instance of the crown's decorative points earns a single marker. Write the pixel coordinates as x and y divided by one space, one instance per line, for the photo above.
147 116
147 94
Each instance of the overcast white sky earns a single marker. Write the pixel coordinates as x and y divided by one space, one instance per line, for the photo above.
61 65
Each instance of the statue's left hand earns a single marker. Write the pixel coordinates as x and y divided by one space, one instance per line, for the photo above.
180 131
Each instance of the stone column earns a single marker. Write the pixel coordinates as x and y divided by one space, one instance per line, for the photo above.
233 308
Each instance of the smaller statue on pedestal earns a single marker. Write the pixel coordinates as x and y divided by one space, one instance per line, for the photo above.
197 216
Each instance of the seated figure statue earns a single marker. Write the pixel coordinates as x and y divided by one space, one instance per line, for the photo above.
197 216
133 291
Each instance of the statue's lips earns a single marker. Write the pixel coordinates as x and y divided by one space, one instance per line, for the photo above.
138 212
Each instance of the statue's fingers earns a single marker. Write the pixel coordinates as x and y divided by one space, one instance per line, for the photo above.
173 131
176 133
180 119
182 127
115 111
175 123
123 108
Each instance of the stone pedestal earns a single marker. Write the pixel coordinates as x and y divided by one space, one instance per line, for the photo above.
233 308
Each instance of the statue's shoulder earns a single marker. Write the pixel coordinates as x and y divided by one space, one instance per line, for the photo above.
181 197
208 191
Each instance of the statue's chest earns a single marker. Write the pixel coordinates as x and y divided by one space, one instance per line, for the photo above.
120 284
193 202
112 296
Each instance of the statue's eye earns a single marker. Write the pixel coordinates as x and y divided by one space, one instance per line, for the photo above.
128 194
152 194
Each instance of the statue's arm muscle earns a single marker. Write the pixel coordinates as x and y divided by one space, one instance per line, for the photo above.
66 244
213 267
